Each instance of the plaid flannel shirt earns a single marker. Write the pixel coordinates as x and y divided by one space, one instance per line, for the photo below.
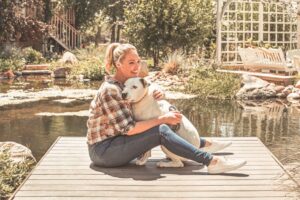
109 114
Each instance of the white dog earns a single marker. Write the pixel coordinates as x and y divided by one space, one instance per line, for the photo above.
140 93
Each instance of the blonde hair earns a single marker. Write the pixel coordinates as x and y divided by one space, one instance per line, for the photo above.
115 52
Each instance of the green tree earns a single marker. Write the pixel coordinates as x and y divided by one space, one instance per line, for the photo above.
15 26
88 12
158 27
94 30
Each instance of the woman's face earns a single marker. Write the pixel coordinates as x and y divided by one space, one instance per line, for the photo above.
130 65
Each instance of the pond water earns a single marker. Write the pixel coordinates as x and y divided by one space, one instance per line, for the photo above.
276 123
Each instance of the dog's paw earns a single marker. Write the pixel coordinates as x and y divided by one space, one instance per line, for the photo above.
169 164
141 160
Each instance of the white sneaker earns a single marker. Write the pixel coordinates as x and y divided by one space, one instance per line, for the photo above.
224 165
216 146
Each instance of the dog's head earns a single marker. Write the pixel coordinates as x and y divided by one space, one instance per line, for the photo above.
135 89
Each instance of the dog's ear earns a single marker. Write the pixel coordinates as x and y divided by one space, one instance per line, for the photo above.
144 82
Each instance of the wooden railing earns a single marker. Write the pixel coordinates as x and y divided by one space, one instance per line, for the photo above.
64 33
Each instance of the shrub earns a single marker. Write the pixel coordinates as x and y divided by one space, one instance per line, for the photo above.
32 56
14 64
90 63
90 68
5 64
208 83
11 58
12 174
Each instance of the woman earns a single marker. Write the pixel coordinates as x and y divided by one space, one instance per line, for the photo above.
115 138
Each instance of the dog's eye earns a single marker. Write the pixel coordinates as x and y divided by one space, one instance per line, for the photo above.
134 87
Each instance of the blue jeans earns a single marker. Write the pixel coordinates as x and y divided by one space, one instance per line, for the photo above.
120 150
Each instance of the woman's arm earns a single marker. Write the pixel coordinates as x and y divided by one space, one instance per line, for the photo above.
172 118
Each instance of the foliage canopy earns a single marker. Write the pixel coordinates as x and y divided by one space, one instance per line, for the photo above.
14 25
158 27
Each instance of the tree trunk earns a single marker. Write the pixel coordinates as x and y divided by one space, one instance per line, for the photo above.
155 56
113 29
98 36
113 33
47 11
118 33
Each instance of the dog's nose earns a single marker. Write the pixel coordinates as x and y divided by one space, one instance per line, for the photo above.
124 95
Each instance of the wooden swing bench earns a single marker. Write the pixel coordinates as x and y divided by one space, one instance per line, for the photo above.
267 64
266 61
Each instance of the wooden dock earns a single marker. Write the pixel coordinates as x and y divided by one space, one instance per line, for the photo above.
65 172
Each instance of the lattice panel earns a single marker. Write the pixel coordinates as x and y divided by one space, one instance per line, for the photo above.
270 24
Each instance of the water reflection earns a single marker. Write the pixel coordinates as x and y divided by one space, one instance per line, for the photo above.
39 132
275 123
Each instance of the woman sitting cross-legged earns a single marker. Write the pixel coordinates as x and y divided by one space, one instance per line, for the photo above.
115 138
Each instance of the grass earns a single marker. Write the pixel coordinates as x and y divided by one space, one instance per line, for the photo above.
174 62
12 173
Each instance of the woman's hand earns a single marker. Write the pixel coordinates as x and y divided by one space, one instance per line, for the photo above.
171 118
158 94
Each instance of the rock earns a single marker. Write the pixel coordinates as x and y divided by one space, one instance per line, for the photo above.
298 84
7 74
16 97
279 88
18 153
271 86
251 82
80 77
255 88
61 72
258 93
82 113
293 97
65 101
18 73
281 95
179 95
68 57
288 90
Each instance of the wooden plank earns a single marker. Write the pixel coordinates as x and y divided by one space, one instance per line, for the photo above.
278 79
152 194
80 158
151 162
166 188
65 172
218 138
192 171
162 155
74 167
275 175
154 155
132 198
